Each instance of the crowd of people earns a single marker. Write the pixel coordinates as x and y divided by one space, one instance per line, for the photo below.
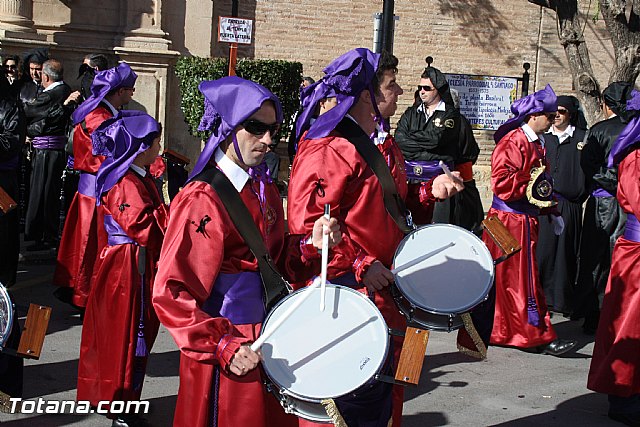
212 266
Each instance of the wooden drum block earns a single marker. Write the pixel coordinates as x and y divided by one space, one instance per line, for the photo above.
508 244
35 328
412 356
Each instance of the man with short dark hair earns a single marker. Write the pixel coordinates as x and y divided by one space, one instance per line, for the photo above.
431 131
47 116
32 74
557 255
83 236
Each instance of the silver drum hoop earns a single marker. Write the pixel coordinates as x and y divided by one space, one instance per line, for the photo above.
6 315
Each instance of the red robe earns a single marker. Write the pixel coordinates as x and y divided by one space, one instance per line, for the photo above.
615 366
108 367
511 163
330 170
192 256
83 236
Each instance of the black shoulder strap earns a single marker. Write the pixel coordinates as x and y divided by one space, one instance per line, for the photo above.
275 286
392 201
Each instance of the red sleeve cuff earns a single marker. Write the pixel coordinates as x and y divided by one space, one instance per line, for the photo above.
361 265
227 347
307 250
426 193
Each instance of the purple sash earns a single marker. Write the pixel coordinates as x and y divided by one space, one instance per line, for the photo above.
423 170
53 142
238 297
115 234
87 184
11 164
521 207
600 192
632 228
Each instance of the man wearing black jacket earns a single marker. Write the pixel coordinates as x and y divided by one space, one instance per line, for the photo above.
557 255
433 130
604 220
47 118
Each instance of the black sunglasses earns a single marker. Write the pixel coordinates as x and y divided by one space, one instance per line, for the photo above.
258 128
425 88
562 111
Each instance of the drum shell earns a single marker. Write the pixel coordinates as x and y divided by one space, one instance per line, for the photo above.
6 314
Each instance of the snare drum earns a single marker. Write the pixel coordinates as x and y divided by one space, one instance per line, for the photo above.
435 291
316 355
6 316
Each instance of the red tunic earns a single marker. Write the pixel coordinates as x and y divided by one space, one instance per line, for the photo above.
108 366
330 170
83 236
615 366
511 163
192 257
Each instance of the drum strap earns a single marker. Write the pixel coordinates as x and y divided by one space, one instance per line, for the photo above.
275 286
393 203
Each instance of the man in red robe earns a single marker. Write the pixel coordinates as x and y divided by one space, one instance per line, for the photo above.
616 354
208 291
329 170
522 191
120 325
83 236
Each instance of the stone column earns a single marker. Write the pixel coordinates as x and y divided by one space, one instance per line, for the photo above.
141 25
16 18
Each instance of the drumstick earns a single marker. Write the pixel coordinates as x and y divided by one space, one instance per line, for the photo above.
421 258
325 256
266 334
446 170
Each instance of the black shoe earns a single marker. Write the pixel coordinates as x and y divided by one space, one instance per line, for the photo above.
130 421
557 347
632 419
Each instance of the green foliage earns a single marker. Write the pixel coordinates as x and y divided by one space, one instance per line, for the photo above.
281 77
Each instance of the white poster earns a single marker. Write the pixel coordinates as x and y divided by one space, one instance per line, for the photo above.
234 30
484 100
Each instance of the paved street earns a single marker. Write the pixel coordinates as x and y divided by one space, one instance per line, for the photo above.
510 388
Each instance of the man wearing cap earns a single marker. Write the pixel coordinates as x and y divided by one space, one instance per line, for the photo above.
603 217
522 191
83 236
328 169
616 354
433 130
47 117
208 291
557 256
120 325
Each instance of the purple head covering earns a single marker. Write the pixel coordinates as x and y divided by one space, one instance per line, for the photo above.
542 101
121 139
228 102
345 78
629 138
103 83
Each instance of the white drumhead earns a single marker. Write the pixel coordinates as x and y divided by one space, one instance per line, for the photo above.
6 315
318 355
452 281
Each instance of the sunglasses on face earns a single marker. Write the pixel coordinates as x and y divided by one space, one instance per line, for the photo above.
425 88
10 67
258 128
562 111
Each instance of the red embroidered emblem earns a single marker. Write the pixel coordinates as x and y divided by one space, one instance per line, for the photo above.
270 218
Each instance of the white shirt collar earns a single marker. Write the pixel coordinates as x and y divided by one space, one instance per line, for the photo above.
440 107
563 135
529 133
113 109
381 135
235 173
137 169
52 86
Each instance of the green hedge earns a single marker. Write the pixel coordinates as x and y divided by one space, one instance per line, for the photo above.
281 77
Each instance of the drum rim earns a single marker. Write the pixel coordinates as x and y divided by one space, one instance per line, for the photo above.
6 298
294 395
468 307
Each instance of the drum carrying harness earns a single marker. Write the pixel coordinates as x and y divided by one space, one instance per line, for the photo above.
274 285
393 203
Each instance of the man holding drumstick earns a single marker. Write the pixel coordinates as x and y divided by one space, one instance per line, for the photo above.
328 169
208 291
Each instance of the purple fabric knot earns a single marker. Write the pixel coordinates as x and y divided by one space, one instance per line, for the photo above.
211 119
102 145
544 100
533 316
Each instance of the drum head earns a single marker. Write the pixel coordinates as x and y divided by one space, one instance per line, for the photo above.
6 315
454 280
318 355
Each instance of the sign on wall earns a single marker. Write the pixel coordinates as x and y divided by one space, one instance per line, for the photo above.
484 100
234 30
